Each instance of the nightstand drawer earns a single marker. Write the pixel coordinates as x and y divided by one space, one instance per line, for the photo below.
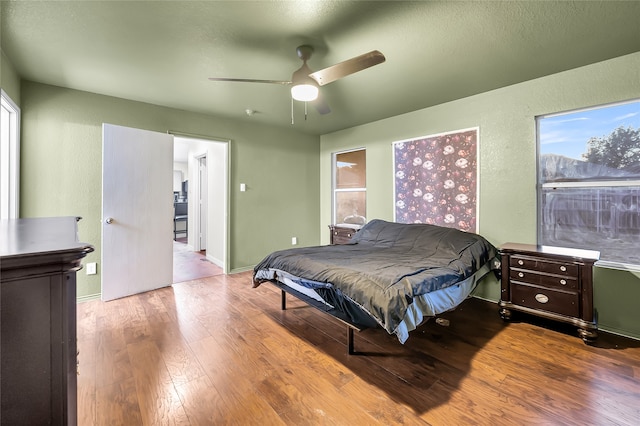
560 302
524 276
340 237
341 234
564 282
533 277
532 263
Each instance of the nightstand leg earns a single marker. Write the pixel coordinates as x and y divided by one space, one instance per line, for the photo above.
505 314
589 336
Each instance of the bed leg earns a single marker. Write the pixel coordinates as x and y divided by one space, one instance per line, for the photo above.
350 340
283 303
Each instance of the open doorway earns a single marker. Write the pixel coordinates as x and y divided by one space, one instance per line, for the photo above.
200 190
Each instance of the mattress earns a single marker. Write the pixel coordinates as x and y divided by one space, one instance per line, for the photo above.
419 311
386 270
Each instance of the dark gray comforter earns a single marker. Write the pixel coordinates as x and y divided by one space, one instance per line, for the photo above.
387 264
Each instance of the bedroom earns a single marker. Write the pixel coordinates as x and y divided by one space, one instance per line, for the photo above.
68 120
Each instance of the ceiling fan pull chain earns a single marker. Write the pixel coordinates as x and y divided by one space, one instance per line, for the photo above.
305 110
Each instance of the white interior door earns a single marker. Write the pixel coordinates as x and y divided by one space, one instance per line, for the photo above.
137 211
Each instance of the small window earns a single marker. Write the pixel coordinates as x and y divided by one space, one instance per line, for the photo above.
589 181
9 157
350 187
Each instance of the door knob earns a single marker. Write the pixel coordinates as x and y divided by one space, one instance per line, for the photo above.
108 220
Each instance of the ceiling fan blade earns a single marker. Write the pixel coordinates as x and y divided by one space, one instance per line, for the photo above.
250 80
348 67
321 105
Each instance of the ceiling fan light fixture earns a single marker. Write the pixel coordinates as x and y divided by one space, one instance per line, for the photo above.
304 92
303 88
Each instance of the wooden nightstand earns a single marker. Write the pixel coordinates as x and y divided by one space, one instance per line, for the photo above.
551 282
342 232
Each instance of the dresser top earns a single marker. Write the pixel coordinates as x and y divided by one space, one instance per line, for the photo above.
35 236
551 250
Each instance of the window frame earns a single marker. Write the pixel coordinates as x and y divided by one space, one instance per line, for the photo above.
9 158
334 178
579 183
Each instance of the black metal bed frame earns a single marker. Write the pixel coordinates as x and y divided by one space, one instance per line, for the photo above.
337 314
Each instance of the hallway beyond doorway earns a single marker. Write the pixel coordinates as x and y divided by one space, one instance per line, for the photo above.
190 265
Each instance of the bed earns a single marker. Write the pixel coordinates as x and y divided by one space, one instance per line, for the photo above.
391 275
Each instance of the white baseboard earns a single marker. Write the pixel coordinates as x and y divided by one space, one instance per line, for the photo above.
88 298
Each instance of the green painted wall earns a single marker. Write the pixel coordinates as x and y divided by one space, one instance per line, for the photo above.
9 79
61 170
507 159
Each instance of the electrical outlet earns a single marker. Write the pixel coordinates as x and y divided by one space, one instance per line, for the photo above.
92 268
294 241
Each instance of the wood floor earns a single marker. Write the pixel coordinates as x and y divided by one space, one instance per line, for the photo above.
216 351
190 265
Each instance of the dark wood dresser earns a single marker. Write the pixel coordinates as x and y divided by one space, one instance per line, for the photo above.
39 258
342 233
551 282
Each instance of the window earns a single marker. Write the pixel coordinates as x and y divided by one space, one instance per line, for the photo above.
589 181
9 157
350 187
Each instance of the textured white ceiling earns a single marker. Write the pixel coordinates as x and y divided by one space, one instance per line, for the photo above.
163 52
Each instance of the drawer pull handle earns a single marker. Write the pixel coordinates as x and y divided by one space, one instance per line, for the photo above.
563 268
520 262
520 274
542 298
348 235
563 282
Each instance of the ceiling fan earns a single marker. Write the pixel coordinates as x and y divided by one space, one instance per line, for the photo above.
305 83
